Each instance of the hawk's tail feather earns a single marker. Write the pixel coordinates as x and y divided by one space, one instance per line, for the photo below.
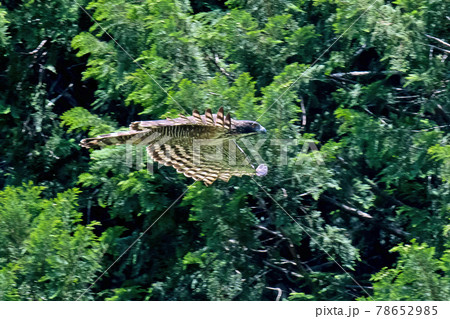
129 137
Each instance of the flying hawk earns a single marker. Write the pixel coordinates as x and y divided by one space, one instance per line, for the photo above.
202 147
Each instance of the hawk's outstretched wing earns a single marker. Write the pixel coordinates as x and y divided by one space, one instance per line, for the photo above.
218 160
199 146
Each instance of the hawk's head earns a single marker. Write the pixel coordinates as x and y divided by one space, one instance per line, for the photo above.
244 128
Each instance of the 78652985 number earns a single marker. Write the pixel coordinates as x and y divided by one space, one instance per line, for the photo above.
407 310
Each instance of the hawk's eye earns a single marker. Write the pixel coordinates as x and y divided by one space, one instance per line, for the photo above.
254 125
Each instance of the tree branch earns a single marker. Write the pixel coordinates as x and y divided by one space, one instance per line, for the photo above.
302 104
349 209
39 47
279 292
283 270
356 212
438 40
362 73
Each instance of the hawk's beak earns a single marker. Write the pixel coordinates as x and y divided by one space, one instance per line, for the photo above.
262 130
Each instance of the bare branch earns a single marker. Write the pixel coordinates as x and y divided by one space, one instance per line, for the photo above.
38 47
362 73
438 40
444 114
438 48
349 209
275 233
283 270
280 292
217 63
302 104
387 227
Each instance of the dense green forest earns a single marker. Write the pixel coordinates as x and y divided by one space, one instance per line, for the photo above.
364 215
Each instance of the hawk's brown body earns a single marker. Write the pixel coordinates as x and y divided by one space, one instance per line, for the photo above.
172 142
